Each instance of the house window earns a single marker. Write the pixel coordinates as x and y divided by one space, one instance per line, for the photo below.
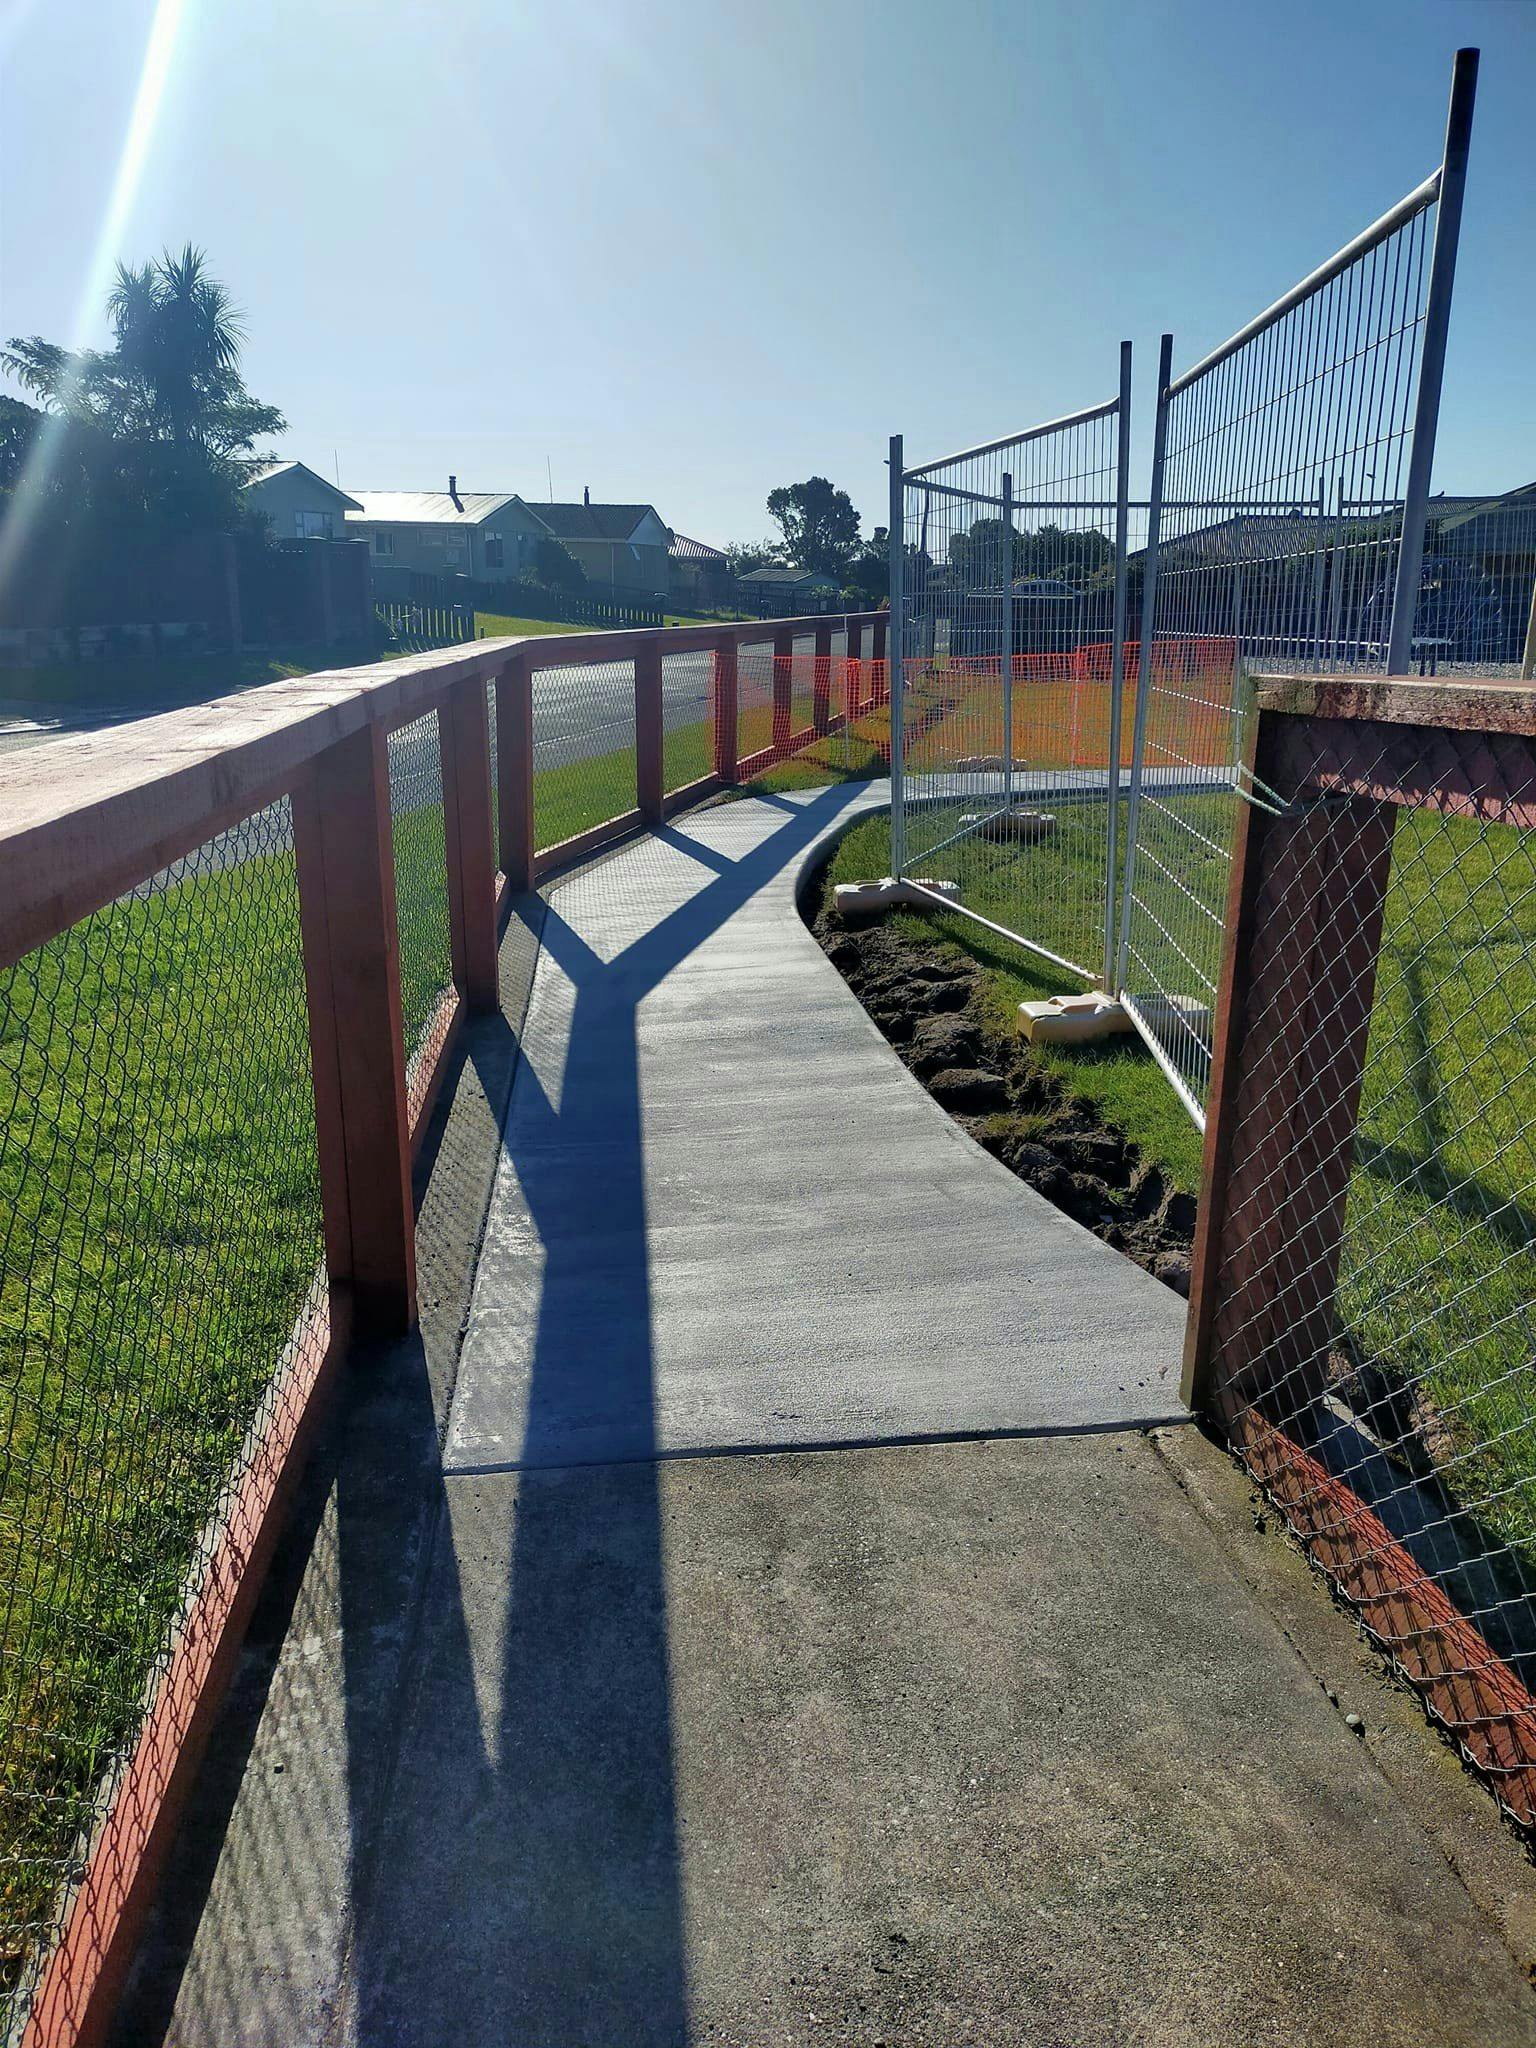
383 543
312 525
493 551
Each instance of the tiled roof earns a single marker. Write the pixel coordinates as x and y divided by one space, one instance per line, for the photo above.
592 522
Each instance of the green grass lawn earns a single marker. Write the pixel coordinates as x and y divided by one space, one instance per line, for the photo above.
162 1227
1438 1275
1118 1077
494 625
1439 1272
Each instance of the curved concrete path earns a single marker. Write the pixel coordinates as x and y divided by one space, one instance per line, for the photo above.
727 1218
573 1741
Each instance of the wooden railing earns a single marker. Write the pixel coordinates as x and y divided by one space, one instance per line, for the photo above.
86 820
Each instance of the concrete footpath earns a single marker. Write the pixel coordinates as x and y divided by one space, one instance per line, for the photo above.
798 1611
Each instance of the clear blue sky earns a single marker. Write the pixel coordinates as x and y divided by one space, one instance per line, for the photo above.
690 249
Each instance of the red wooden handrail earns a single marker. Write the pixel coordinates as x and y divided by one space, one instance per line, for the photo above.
89 818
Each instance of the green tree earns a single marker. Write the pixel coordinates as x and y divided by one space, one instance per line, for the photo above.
159 428
868 575
556 566
743 556
819 524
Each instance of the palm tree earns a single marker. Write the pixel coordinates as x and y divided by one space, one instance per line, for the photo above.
161 423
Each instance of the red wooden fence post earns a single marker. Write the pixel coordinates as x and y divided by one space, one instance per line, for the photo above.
783 684
464 723
821 679
725 703
344 852
649 782
514 772
1298 979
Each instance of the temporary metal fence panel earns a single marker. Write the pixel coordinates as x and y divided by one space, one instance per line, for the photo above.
1009 583
1282 466
1477 594
1363 1321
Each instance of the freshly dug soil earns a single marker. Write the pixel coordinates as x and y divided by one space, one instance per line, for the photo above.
991 1082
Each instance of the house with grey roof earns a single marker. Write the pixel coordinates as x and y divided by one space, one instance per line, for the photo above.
489 535
697 574
298 503
627 546
777 592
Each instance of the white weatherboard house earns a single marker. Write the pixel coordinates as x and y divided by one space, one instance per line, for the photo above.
490 535
299 503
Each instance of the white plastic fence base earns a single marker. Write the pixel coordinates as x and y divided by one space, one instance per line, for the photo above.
868 899
1075 1020
1018 824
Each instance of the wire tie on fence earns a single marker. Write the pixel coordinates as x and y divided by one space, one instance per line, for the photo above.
1260 795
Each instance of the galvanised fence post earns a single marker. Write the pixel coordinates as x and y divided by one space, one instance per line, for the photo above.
1437 318
1117 662
898 516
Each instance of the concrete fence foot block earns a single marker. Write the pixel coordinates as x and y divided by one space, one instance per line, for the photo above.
1074 1020
870 899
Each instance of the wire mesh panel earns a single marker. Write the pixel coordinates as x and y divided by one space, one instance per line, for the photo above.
160 1231
1011 700
755 722
421 875
1477 594
583 748
1373 1328
687 718
1279 473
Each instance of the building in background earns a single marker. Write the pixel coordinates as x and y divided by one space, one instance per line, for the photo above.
698 576
781 593
627 546
299 504
492 536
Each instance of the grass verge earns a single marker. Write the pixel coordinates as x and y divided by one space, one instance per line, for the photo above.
159 1233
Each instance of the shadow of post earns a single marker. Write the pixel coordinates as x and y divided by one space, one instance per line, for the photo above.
526 1876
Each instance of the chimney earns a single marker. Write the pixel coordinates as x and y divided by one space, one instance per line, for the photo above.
453 492
586 494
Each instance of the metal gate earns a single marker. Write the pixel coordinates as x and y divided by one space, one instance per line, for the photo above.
1008 574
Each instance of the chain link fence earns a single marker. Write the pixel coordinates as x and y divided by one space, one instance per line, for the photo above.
583 748
1369 1333
160 1234
421 879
